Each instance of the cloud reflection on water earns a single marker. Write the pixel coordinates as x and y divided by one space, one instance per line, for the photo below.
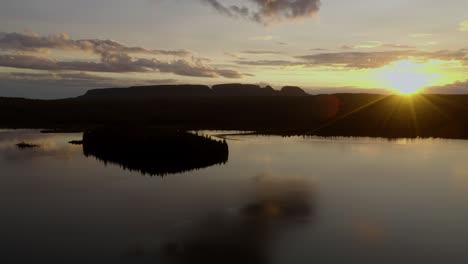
279 203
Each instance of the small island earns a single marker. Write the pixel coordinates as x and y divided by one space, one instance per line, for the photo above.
76 142
24 145
154 151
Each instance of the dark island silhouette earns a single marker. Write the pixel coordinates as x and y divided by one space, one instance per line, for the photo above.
24 145
154 151
289 111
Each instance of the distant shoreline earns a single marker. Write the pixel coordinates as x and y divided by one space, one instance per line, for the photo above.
354 115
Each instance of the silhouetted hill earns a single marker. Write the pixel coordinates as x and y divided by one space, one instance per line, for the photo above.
236 89
144 92
369 115
221 90
293 91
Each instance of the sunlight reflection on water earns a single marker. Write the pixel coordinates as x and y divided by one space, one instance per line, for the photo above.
277 200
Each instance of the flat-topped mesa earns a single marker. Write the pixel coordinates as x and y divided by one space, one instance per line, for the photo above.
145 92
220 90
237 89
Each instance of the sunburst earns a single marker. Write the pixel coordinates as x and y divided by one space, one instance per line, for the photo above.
408 76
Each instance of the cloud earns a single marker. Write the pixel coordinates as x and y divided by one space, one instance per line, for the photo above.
463 26
80 79
114 57
359 60
234 56
347 47
368 45
267 11
460 87
362 60
429 43
420 35
118 63
265 38
62 85
377 44
346 90
397 46
35 43
220 7
271 63
262 52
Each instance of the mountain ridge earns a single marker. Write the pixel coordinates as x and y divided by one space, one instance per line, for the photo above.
191 90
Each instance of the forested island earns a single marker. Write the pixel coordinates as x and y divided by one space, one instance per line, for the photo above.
153 151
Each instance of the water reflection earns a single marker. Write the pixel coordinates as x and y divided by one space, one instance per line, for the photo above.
154 152
45 145
243 235
357 201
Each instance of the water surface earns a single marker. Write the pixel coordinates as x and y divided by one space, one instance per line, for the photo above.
277 200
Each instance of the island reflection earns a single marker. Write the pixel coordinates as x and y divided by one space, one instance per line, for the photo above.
154 151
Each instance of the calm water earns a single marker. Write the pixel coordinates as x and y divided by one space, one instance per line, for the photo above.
277 200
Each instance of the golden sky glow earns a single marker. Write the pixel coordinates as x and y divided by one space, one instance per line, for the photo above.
410 76
66 47
403 76
464 26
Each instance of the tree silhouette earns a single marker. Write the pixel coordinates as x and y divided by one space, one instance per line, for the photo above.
153 151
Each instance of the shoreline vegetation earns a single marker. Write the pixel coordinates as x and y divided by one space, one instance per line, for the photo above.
154 151
24 145
76 142
252 108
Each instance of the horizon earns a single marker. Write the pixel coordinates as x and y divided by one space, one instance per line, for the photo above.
309 92
57 49
234 131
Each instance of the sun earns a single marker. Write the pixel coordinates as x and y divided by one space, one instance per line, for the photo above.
408 76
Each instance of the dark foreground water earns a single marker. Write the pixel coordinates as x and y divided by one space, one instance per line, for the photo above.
277 200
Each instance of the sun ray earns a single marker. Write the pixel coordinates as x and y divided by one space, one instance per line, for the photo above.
390 115
429 103
414 117
344 116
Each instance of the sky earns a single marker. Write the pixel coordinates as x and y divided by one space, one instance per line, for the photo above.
61 48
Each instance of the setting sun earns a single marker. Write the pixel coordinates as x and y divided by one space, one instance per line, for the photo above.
409 76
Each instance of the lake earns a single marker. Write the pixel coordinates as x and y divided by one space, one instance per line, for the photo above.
276 200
